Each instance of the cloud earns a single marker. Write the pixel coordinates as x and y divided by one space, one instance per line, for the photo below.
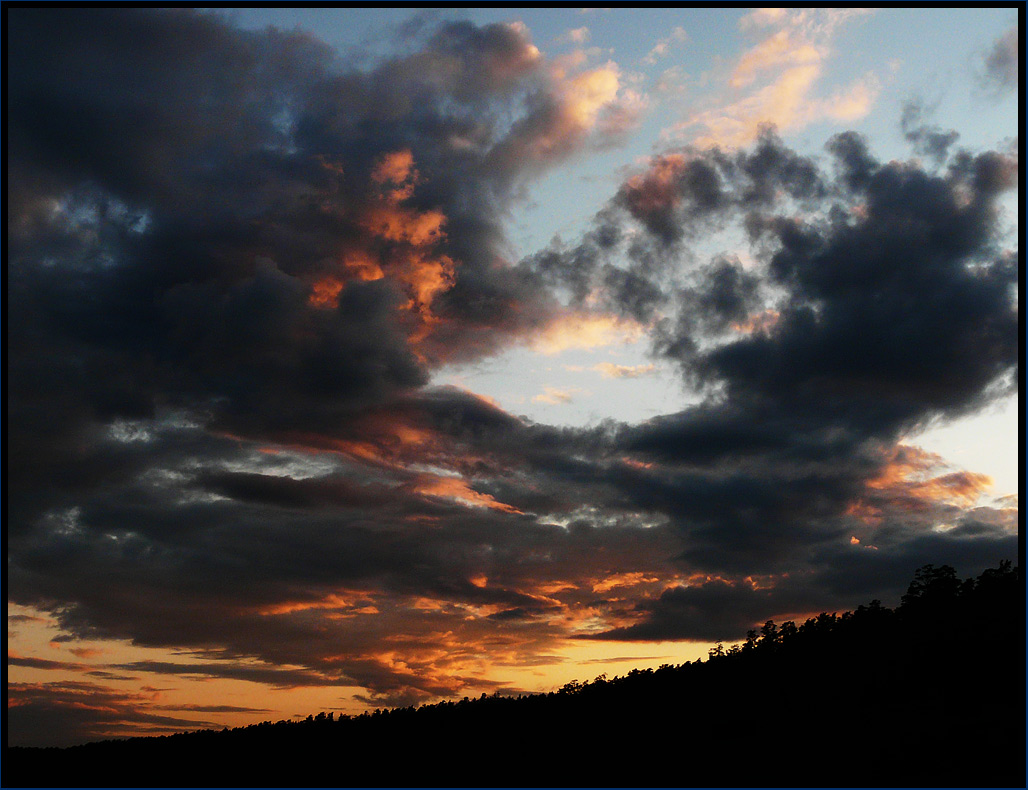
578 35
928 140
444 486
779 76
777 50
798 367
41 663
585 330
1001 68
554 396
578 107
332 264
762 17
612 371
712 611
787 104
69 713
661 48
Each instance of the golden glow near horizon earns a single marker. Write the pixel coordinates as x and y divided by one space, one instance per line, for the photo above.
128 679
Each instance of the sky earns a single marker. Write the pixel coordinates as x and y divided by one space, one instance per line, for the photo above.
370 358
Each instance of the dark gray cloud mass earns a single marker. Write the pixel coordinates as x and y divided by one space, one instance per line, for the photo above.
67 713
234 262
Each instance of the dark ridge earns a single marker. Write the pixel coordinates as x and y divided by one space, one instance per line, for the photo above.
930 694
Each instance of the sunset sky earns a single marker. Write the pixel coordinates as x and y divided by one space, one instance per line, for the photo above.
362 358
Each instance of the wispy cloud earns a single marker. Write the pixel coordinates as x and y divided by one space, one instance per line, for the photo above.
664 45
775 81
1001 70
555 396
612 371
577 35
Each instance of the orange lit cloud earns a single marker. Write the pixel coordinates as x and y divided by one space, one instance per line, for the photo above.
623 580
325 292
763 321
396 167
395 174
555 396
428 277
362 267
785 104
909 483
347 601
657 188
910 468
423 273
582 98
455 488
612 371
410 260
587 330
387 438
397 223
581 104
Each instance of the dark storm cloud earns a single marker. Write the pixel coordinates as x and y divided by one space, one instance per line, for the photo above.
883 297
834 575
889 306
712 611
679 197
41 663
839 581
178 191
105 675
147 155
214 708
898 306
901 311
266 557
287 492
270 676
69 713
178 188
24 618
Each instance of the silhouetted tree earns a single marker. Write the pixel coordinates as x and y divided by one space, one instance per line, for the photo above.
932 584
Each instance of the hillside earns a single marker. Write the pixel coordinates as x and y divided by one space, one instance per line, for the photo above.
929 694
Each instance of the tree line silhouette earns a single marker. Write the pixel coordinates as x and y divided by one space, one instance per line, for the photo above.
928 694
